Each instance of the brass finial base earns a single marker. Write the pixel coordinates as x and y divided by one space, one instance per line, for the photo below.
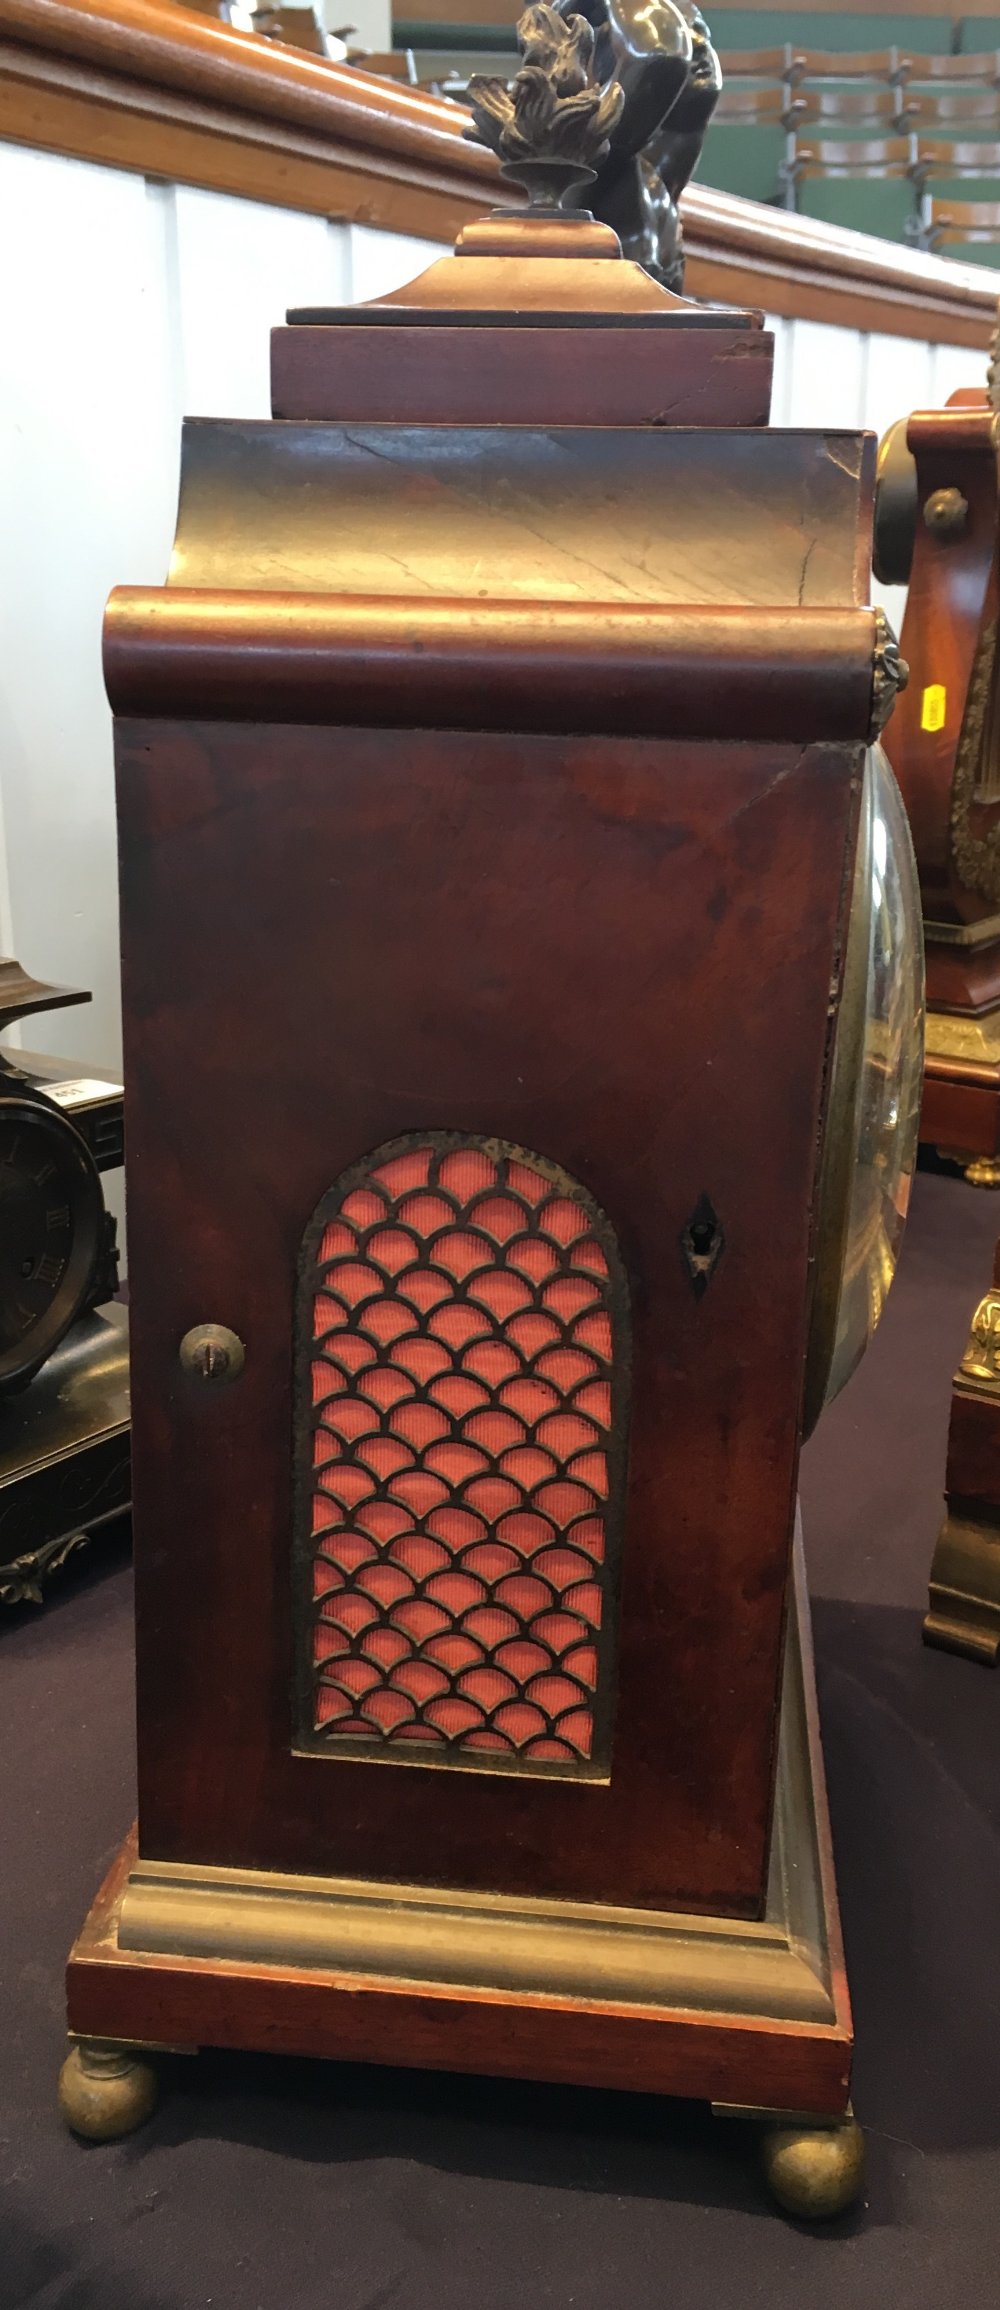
106 2091
814 2172
538 233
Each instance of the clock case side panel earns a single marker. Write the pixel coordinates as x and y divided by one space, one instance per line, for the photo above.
646 1079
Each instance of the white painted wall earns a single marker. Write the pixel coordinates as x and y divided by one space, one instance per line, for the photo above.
126 304
827 376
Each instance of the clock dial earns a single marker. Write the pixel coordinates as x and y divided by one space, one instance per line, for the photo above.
876 1079
50 1219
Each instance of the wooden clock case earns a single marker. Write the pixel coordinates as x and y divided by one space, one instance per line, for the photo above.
488 775
938 520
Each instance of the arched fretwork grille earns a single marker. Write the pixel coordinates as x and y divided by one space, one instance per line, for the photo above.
464 1355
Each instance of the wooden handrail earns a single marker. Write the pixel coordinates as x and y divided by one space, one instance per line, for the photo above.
172 47
154 87
801 267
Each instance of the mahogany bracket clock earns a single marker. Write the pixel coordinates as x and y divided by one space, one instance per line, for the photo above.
938 524
516 692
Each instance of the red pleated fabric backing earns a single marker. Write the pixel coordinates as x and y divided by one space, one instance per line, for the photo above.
461 1369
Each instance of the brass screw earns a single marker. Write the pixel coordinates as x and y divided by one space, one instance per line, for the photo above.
210 1351
946 513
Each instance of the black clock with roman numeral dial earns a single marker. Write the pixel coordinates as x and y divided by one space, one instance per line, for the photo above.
57 1253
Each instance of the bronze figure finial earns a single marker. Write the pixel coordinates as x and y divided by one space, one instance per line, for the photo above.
550 127
661 53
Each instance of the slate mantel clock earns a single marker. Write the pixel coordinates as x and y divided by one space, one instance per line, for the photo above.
64 1424
58 1257
500 838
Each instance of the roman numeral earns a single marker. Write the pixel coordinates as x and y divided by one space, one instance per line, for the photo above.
49 1270
47 1172
58 1216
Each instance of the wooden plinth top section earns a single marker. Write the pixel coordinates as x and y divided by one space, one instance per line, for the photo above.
559 291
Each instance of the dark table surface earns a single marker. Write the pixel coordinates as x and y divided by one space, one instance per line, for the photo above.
278 2185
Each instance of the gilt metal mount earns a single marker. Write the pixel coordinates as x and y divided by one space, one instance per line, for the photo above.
890 675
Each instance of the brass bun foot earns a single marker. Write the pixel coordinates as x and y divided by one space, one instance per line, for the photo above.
814 2172
983 1171
106 2091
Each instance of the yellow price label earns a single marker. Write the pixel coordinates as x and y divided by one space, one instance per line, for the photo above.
932 706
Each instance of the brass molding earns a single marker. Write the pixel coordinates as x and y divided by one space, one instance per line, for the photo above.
963 934
946 513
964 1613
368 1932
958 1035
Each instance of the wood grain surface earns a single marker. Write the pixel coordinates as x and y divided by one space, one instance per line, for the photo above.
519 935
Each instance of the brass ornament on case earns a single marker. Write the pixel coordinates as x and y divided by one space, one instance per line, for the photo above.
981 1360
211 1352
891 674
702 1244
983 1171
946 513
